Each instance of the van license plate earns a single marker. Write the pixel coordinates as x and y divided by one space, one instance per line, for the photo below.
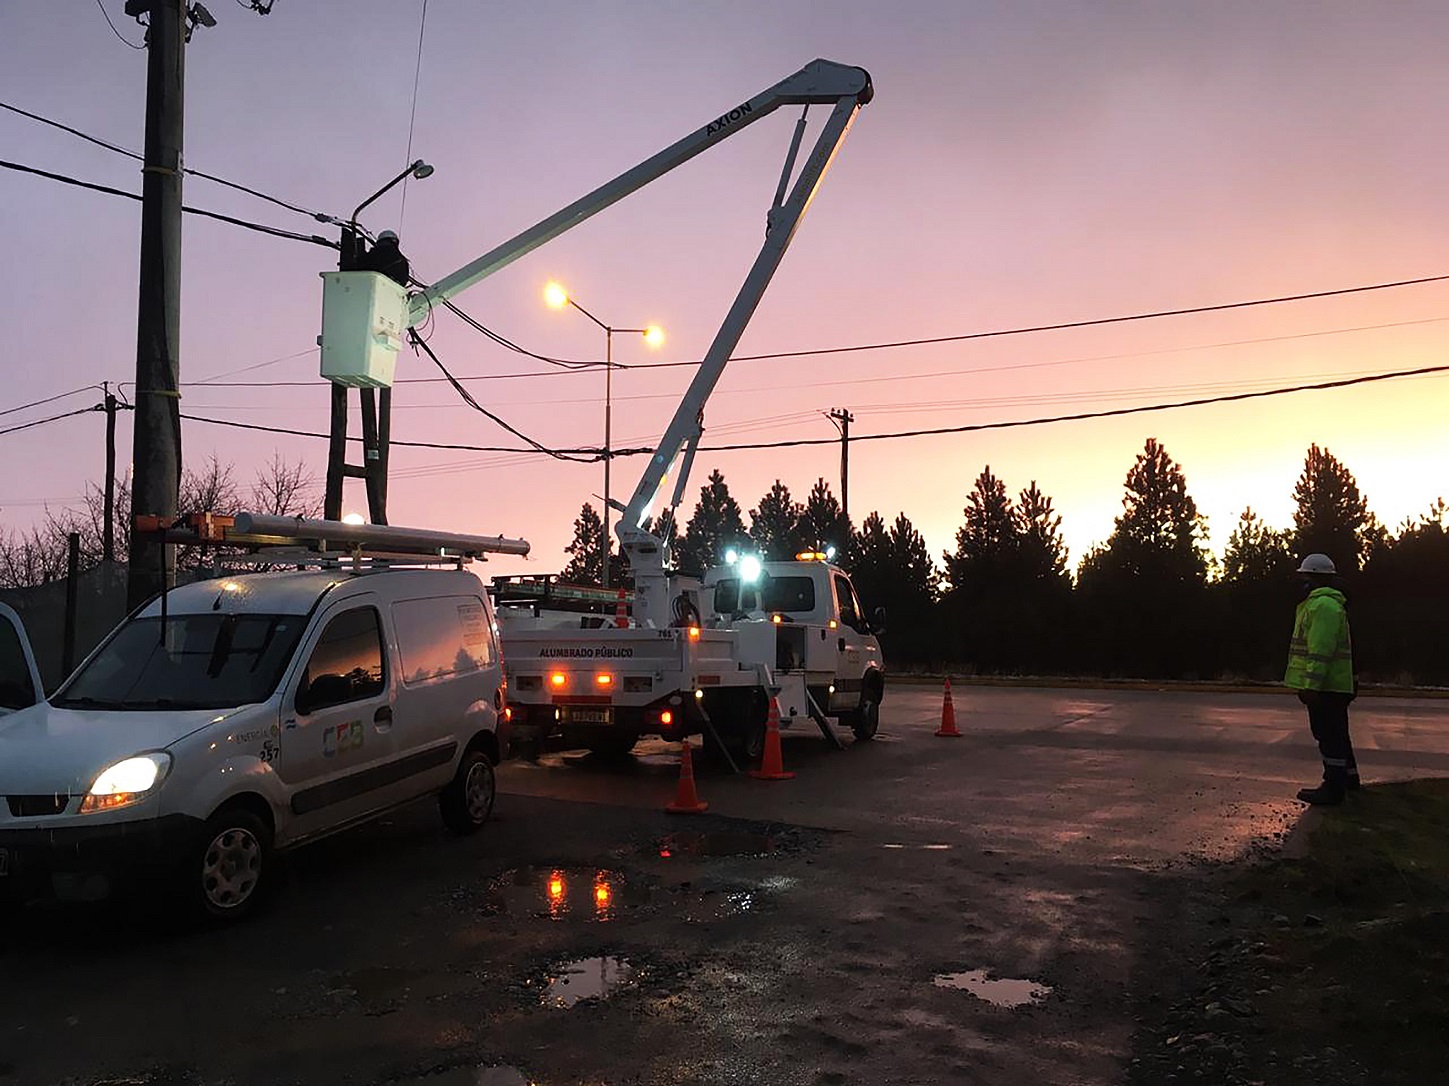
591 716
4 862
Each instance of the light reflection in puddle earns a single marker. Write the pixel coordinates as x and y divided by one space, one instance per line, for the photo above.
587 978
997 992
560 893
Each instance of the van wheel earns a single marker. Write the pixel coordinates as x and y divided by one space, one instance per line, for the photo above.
468 800
226 873
865 720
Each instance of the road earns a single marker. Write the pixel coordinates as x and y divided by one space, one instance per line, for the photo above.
803 931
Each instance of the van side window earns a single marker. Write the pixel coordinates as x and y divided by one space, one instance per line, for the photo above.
849 608
16 689
346 665
444 635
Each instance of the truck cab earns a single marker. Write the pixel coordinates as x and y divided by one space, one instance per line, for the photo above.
805 618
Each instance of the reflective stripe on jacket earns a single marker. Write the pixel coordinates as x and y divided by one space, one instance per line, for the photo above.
1320 656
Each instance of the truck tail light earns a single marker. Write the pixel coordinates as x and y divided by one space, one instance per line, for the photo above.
666 718
558 680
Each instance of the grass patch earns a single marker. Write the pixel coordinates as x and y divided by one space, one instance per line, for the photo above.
1353 940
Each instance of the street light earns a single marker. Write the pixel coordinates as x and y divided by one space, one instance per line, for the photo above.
556 296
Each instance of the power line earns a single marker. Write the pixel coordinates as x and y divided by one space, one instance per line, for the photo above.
258 227
1111 413
419 342
318 215
53 418
404 444
1065 325
112 25
48 399
1015 423
413 113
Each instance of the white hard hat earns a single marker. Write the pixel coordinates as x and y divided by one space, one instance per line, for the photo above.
1317 563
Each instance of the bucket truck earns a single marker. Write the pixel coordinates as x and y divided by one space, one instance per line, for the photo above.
696 656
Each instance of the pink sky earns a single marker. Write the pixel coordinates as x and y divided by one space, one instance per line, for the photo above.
1021 164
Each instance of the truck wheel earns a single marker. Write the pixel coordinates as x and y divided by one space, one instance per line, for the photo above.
225 874
865 720
467 801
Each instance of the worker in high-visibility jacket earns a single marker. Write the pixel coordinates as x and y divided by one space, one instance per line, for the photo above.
1320 668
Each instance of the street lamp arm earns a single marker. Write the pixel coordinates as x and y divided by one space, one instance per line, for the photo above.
418 169
593 318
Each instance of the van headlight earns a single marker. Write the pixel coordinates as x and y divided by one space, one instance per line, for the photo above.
128 781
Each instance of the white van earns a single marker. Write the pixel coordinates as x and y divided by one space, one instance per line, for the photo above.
253 714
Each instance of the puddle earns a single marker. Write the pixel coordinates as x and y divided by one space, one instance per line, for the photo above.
562 893
717 843
997 992
586 978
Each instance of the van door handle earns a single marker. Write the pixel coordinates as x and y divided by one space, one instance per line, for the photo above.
842 644
383 718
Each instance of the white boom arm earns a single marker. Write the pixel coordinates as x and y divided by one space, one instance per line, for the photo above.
821 82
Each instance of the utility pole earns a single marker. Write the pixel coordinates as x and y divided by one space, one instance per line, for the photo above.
108 522
156 449
844 418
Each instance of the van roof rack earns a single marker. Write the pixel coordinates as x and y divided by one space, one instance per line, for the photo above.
308 541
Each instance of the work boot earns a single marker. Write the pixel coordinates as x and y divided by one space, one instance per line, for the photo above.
1325 795
1351 782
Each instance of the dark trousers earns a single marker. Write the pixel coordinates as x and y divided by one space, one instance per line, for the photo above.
1328 719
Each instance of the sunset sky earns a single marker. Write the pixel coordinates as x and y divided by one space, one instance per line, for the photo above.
1022 164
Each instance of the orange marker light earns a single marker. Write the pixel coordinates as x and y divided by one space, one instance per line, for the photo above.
555 890
557 679
508 712
694 633
776 619
604 679
603 893
832 623
666 718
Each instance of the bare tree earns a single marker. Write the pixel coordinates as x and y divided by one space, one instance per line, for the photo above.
286 489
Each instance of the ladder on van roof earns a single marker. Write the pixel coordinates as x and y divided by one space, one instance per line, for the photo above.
307 541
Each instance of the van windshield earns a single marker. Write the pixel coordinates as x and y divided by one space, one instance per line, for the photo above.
206 661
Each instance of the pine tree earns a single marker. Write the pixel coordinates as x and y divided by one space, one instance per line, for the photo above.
1256 552
1159 531
1043 551
988 540
822 524
1332 517
872 563
586 564
775 524
1142 597
715 527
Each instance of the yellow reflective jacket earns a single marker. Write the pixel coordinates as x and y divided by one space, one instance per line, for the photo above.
1320 656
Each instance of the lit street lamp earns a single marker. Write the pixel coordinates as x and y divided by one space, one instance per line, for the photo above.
557 297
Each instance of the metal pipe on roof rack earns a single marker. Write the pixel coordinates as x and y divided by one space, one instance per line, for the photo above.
392 537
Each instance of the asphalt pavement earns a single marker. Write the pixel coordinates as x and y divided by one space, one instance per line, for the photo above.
988 909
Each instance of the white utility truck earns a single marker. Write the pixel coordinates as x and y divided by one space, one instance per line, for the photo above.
694 656
752 629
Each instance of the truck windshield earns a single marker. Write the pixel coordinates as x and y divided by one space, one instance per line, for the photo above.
206 661
785 594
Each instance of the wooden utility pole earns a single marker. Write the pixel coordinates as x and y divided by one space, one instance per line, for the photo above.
108 520
844 418
156 448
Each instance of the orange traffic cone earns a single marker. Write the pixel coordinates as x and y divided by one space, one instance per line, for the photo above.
772 765
621 611
948 729
686 799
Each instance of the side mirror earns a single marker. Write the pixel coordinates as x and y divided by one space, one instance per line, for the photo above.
878 620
